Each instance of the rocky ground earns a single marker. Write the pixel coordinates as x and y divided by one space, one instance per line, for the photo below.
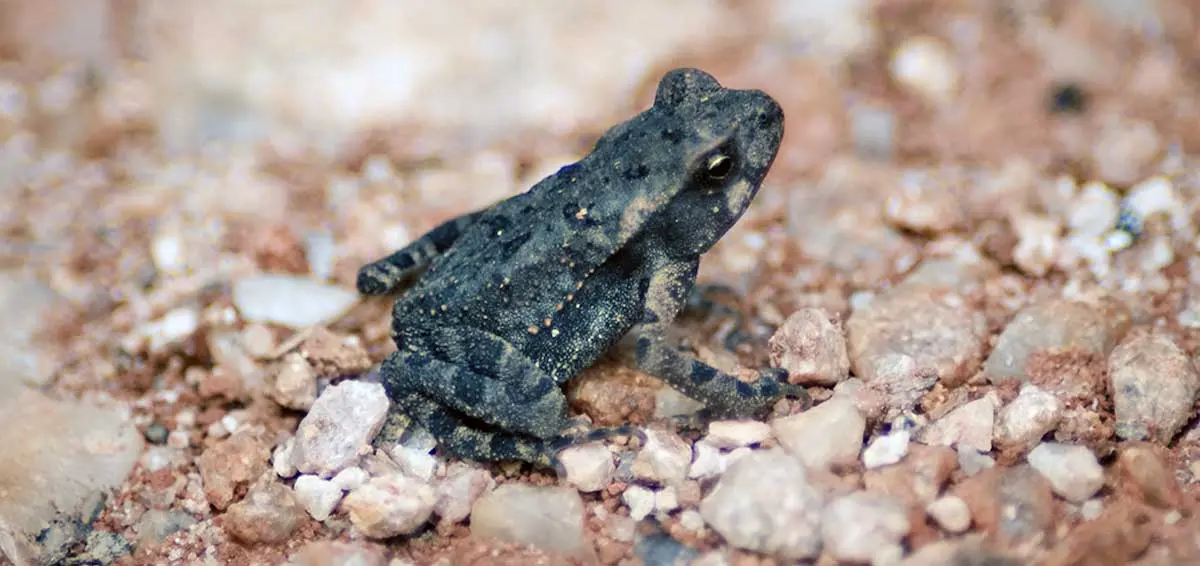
976 249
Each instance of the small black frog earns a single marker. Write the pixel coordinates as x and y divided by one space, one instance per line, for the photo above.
519 297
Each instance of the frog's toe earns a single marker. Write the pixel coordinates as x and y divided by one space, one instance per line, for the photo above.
798 392
778 374
598 434
556 446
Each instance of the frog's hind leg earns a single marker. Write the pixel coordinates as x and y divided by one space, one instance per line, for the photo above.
487 381
457 437
461 439
383 276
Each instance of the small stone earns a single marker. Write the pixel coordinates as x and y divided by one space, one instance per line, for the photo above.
1144 471
924 203
873 130
104 547
1039 241
351 478
25 302
333 355
864 527
666 500
217 430
1120 535
156 433
1155 196
172 329
612 396
551 518
913 336
829 434
969 426
459 490
415 462
230 465
640 501
708 462
268 514
295 383
590 466
691 520
951 513
664 458
811 347
1095 210
389 506
1072 470
669 403
1012 503
764 503
1029 417
167 252
281 459
179 439
1091 509
925 66
334 553
886 450
293 301
1091 326
620 527
1124 150
156 525
320 248
1154 386
971 461
728 435
340 427
259 340
319 497
224 383
958 552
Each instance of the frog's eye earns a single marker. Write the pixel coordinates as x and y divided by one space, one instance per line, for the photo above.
716 167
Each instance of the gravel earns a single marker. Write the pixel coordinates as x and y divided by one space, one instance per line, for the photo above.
976 255
590 466
318 496
546 517
765 503
268 515
1154 386
389 506
829 434
296 302
339 428
1073 471
865 527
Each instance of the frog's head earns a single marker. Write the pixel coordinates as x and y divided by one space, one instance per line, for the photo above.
680 173
727 141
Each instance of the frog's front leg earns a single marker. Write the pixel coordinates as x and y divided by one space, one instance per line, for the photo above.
383 276
724 395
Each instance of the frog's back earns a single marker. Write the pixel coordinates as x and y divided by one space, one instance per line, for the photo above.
529 253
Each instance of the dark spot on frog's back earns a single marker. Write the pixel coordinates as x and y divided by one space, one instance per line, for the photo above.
636 172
